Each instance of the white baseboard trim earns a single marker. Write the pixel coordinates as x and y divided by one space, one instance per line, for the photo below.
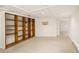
75 43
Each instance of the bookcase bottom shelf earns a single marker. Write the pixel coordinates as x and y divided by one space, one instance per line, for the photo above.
14 43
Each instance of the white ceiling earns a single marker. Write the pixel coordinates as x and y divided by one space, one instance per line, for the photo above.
44 10
31 8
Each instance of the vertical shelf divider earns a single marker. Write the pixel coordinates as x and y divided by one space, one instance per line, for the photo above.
33 26
16 29
29 27
5 31
24 28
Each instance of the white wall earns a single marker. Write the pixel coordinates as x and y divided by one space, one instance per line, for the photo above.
49 30
58 27
2 30
64 25
74 30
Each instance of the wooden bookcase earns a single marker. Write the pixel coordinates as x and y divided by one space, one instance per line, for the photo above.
18 28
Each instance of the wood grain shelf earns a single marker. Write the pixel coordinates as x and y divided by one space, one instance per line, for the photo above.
10 29
10 25
20 35
20 25
14 20
20 21
20 30
9 33
10 19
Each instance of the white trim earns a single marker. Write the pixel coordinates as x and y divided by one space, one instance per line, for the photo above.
75 43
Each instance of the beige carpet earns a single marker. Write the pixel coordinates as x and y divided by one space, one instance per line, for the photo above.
61 44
